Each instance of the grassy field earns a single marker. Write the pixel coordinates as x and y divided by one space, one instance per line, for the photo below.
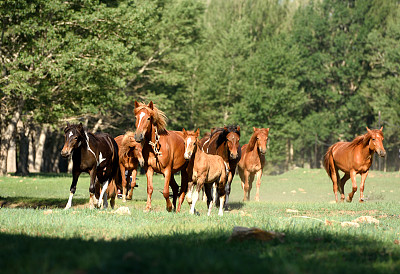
38 236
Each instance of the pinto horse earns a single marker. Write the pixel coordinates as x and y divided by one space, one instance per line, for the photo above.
130 157
353 158
252 161
225 143
162 152
204 170
96 154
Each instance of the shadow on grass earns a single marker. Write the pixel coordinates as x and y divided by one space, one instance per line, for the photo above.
204 252
38 203
46 175
235 205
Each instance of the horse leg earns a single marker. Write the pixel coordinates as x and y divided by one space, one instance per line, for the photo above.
123 182
207 190
75 176
149 175
133 183
195 195
354 185
228 189
167 179
251 179
103 191
184 188
242 177
175 189
258 174
204 195
92 188
221 194
363 177
342 182
246 175
189 193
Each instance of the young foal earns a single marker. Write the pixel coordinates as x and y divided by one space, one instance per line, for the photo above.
96 154
130 157
204 169
253 161
353 158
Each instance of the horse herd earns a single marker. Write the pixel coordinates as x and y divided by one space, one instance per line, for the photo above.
209 162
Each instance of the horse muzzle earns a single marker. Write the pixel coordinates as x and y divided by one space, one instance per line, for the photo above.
263 151
139 137
382 153
141 162
187 155
234 156
66 153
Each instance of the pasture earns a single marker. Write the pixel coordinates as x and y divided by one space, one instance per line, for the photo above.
38 236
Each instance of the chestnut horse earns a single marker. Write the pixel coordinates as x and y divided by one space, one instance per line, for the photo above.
252 161
225 143
96 154
130 157
204 170
353 158
162 152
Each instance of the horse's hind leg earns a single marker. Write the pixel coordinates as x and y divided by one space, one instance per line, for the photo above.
259 174
184 188
363 177
207 190
175 190
167 179
342 182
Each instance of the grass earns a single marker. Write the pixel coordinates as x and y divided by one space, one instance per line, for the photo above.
38 236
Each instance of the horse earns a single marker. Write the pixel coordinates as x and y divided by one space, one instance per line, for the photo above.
204 170
353 158
225 143
96 154
252 161
162 152
130 157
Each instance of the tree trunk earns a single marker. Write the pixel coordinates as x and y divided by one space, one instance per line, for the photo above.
36 149
22 165
7 134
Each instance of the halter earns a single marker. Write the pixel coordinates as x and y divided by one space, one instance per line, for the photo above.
154 145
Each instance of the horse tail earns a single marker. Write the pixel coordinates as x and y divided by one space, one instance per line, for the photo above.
327 158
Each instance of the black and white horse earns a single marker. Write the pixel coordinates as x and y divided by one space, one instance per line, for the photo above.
96 154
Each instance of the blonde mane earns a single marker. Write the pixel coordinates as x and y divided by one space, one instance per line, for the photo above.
159 118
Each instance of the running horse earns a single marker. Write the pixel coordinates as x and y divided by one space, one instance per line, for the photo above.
204 170
96 154
130 157
252 161
225 143
353 158
162 152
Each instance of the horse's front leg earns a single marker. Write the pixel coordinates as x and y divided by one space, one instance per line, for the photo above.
195 195
354 185
149 175
103 194
246 175
184 188
123 182
75 176
258 174
131 173
167 179
92 187
363 177
228 189
175 189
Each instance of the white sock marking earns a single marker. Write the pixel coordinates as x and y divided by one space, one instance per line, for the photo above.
102 193
69 204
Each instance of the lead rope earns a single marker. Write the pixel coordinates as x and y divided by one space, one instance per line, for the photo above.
154 145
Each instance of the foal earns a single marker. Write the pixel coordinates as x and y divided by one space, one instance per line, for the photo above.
253 161
204 169
130 156
353 158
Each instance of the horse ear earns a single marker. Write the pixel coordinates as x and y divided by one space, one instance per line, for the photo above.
151 105
368 129
68 124
136 104
238 128
381 128
254 129
197 132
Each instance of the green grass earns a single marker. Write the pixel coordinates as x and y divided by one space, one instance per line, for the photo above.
34 239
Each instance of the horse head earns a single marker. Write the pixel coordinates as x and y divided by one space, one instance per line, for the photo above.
191 139
376 141
144 117
129 145
232 141
74 135
261 135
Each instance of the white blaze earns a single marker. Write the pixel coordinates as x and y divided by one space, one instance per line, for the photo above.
70 134
140 118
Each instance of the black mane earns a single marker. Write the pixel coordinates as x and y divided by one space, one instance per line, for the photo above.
222 132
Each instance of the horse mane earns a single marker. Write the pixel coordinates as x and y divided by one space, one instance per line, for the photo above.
222 132
253 140
363 139
159 118
126 143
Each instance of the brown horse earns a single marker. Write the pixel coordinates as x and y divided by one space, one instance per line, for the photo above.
162 152
204 169
130 157
253 161
353 158
96 154
225 143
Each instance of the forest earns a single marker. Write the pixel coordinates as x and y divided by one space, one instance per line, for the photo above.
314 72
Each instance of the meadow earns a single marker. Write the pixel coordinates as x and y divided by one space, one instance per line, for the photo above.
38 236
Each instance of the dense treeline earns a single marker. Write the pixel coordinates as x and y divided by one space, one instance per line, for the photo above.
315 72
